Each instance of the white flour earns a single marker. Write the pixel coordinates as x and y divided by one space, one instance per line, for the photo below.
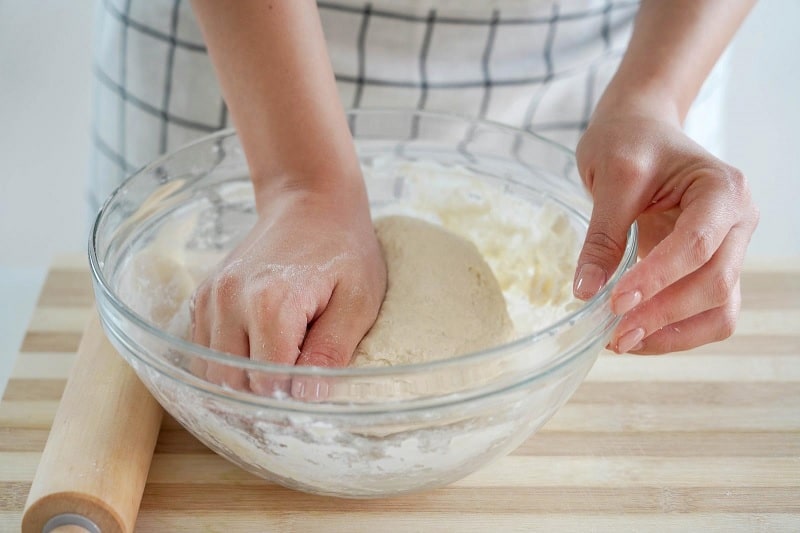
531 250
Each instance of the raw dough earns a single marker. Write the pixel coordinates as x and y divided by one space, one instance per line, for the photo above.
442 299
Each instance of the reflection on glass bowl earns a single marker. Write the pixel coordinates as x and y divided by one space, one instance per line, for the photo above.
379 431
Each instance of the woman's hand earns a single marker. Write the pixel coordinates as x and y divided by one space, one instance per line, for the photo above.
303 287
695 217
306 284
694 212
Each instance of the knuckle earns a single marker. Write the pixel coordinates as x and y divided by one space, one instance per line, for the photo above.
737 180
727 180
324 358
226 286
278 302
653 315
625 167
326 353
600 245
266 300
700 246
739 188
666 320
723 284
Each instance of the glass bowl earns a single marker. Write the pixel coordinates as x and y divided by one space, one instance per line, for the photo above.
378 431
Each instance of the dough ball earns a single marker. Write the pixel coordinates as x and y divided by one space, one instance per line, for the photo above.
442 299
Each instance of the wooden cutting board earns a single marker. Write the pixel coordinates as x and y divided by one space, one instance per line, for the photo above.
703 440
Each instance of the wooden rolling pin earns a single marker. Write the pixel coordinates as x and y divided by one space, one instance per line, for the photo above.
94 466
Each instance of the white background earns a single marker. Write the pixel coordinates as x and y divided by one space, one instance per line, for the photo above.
45 60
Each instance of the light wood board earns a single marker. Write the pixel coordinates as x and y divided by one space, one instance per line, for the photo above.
702 440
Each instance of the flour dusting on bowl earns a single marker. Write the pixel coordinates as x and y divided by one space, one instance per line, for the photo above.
377 431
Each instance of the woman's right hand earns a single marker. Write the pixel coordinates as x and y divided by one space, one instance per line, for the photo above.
303 288
307 282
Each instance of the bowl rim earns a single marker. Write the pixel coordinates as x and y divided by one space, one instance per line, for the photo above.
247 364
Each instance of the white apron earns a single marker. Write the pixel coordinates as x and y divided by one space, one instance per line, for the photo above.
535 64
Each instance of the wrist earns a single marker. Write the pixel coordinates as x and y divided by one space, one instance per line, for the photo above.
645 100
344 188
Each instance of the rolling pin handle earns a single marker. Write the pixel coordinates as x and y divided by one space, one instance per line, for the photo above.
106 427
61 522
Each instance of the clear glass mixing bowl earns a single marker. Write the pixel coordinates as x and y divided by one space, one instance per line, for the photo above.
379 431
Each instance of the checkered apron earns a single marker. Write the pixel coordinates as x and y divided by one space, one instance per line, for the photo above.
540 65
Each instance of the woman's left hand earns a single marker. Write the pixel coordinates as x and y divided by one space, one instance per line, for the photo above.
695 216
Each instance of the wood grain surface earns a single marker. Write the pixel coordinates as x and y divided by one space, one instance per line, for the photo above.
703 440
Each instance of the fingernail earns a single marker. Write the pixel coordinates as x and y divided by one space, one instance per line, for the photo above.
589 281
629 340
638 347
320 390
312 389
626 301
298 389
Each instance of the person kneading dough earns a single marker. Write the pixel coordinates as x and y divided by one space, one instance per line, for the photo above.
442 299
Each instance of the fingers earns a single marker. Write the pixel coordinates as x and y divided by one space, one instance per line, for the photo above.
707 288
616 206
198 307
334 335
709 214
331 340
274 334
710 326
696 218
276 330
214 328
601 253
199 334
231 339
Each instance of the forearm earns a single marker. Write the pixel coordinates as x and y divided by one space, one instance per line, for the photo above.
674 46
274 71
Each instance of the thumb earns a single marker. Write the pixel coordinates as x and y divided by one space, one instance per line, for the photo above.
612 215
